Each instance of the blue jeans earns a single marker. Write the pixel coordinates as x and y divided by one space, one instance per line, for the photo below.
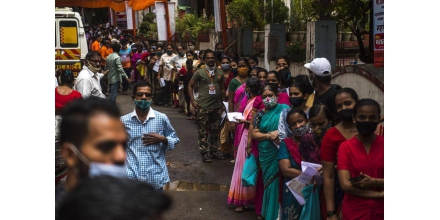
114 91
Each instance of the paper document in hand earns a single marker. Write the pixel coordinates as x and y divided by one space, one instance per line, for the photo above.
232 116
304 165
226 105
296 187
162 82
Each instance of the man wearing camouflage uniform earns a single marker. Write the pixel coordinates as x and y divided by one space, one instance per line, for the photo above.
210 106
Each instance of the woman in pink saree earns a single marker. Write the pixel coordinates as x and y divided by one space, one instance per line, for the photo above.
238 195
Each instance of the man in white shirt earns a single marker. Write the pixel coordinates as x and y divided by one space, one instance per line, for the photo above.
88 80
164 65
179 61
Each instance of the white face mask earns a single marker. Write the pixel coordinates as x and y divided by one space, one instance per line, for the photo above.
100 169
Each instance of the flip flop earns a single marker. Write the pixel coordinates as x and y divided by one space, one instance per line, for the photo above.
239 209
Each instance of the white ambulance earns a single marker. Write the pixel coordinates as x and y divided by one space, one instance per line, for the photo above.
70 40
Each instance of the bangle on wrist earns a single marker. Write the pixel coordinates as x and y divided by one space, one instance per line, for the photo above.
330 213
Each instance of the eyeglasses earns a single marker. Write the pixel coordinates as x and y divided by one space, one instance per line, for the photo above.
141 94
96 61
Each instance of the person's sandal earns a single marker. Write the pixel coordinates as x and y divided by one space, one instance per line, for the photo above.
216 155
206 159
239 209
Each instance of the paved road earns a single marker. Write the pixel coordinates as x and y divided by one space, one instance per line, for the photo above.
199 190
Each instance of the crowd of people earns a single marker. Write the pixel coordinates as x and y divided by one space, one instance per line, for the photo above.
286 122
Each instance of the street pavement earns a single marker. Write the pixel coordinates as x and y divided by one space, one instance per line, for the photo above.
198 190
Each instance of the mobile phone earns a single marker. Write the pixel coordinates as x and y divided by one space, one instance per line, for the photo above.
355 178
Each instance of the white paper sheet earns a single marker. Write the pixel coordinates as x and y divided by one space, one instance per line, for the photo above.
232 116
226 105
308 171
162 82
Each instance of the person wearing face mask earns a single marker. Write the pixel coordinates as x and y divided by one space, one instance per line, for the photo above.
98 150
116 72
273 79
225 134
150 135
237 97
253 62
165 70
239 195
320 77
361 165
88 81
192 47
234 67
289 160
298 93
265 131
209 104
176 63
345 101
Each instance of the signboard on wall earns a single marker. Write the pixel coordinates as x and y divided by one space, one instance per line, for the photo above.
161 20
378 32
121 20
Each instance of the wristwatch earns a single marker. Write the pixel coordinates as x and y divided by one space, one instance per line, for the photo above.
331 213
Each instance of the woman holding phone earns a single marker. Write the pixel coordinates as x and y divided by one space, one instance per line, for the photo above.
361 166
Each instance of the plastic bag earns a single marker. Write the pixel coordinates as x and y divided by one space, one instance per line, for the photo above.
250 171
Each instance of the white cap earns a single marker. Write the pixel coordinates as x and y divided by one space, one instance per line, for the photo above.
318 66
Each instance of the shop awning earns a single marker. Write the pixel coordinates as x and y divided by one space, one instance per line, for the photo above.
116 5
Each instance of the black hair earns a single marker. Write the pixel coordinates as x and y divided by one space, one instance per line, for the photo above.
273 72
91 54
293 111
124 41
301 87
284 58
284 77
246 61
142 84
366 102
76 114
229 59
316 109
218 43
336 86
189 61
254 85
271 87
200 54
157 47
67 78
254 58
305 79
350 91
116 48
191 52
260 69
206 52
107 197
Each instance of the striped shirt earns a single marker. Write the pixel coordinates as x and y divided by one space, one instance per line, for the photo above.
147 163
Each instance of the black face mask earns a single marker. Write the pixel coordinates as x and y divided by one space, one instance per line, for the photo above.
344 115
366 128
296 101
234 71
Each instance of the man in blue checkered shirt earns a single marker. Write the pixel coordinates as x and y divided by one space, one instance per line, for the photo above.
150 134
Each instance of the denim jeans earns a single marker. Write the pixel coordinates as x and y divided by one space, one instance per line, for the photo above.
114 91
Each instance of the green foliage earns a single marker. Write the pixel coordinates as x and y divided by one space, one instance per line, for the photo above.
246 13
354 15
299 16
194 25
148 26
295 53
280 12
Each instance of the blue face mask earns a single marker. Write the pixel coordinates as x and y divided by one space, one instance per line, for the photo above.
100 169
143 105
